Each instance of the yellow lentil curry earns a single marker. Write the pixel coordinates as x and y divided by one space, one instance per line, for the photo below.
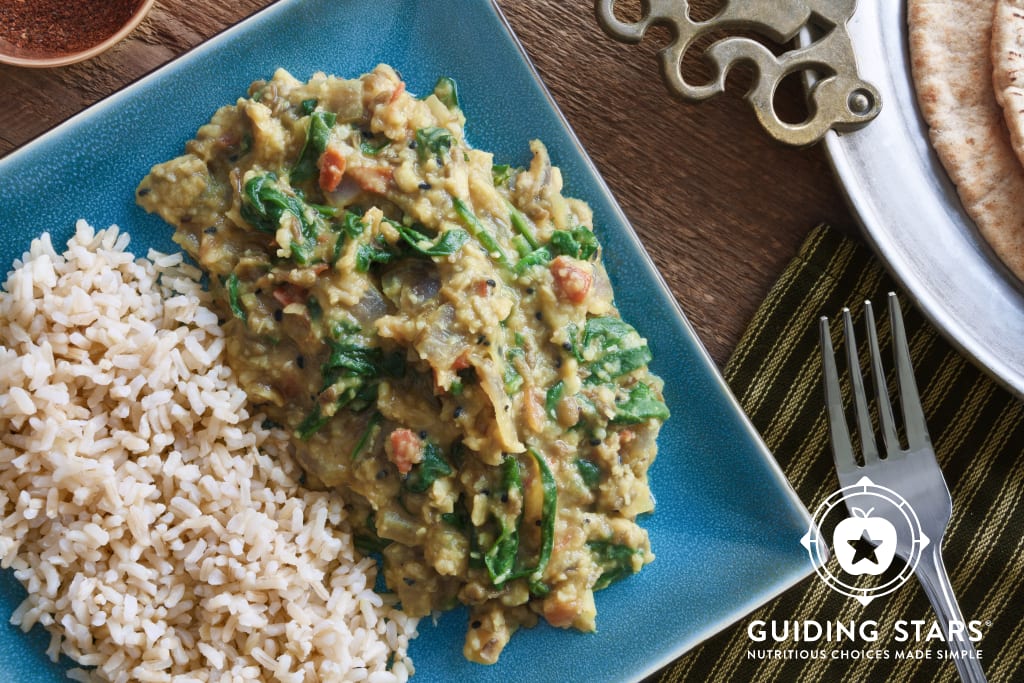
437 333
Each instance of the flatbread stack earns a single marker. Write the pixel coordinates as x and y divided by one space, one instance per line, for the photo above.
967 62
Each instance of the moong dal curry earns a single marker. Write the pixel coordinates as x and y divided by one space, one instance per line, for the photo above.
437 333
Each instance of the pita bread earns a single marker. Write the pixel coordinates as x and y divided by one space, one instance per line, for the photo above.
950 53
1008 68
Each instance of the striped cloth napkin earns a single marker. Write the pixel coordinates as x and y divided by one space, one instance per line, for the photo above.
977 429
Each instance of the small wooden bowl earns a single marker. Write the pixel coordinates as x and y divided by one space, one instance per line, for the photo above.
38 57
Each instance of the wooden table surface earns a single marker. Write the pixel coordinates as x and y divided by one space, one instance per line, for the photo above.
720 206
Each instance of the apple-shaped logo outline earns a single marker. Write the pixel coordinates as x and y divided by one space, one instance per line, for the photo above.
852 534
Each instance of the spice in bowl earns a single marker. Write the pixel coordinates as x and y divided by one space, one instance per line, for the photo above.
56 32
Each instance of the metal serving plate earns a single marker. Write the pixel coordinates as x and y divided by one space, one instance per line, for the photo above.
911 214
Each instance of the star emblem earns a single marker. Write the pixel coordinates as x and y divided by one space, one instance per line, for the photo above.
863 548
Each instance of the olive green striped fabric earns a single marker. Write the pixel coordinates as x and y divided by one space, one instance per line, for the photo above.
977 429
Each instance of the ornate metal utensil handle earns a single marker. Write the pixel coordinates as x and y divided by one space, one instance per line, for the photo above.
837 97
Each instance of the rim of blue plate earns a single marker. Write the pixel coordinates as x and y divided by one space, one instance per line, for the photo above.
764 592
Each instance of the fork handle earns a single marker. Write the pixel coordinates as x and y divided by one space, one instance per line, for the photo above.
931 572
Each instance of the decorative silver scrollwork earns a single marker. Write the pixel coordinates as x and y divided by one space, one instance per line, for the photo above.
837 98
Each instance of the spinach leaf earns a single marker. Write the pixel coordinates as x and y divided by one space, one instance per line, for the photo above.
477 229
578 243
614 559
590 472
352 374
575 347
430 469
316 311
340 328
312 423
521 246
354 359
606 330
234 301
302 251
339 245
522 225
317 136
433 141
500 558
587 241
641 405
323 210
446 91
511 377
500 173
551 399
537 257
619 362
352 224
372 148
459 517
353 392
308 106
549 511
446 244
359 397
511 476
612 348
368 254
264 205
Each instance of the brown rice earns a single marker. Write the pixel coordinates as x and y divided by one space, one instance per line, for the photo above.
159 529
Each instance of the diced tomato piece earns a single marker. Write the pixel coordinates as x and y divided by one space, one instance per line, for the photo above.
405 449
572 280
332 168
290 294
462 362
372 178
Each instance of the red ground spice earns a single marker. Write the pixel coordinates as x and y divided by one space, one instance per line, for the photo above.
61 26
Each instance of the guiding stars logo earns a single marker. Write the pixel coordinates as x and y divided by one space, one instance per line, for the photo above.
863 540
864 544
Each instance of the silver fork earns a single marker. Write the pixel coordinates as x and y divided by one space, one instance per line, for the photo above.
913 472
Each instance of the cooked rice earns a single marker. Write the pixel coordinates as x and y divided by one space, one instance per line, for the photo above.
159 529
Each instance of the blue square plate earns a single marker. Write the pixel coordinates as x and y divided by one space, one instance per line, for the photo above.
727 525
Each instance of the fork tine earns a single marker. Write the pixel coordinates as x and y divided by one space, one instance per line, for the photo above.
910 399
842 447
885 418
867 432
